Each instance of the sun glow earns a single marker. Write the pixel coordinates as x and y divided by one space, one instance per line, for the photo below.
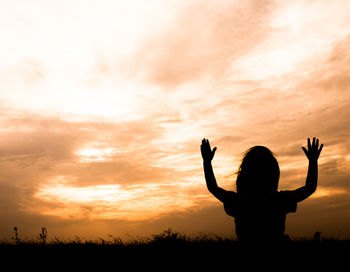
129 202
325 192
90 154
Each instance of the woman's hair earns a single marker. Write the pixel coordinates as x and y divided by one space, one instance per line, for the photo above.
259 171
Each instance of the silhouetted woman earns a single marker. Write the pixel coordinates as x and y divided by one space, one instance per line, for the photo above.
258 207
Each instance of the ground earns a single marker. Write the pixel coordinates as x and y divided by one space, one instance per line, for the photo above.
170 251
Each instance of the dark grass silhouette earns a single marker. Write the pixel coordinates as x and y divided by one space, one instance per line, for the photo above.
167 251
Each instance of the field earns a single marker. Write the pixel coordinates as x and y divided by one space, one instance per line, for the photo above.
171 251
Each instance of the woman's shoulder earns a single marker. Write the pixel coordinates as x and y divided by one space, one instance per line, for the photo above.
288 200
286 194
229 195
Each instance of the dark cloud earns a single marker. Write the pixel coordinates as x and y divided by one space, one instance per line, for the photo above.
316 214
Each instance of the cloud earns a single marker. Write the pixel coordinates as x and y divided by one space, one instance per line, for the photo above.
40 158
203 41
32 142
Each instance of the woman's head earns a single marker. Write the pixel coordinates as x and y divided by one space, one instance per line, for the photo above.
259 171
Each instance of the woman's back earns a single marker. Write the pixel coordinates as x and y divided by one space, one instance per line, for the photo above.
260 217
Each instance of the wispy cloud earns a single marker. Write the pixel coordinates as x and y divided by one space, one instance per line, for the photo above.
203 41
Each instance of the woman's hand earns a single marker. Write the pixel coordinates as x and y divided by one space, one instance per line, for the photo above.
313 152
207 153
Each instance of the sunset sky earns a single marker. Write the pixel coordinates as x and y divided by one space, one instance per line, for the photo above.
104 105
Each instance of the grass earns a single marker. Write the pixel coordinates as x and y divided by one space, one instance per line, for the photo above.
169 251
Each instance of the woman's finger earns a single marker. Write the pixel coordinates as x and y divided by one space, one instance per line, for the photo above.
320 148
305 151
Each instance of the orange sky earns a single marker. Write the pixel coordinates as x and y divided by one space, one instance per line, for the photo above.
104 105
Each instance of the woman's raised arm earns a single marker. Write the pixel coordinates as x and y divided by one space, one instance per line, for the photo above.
312 153
208 155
